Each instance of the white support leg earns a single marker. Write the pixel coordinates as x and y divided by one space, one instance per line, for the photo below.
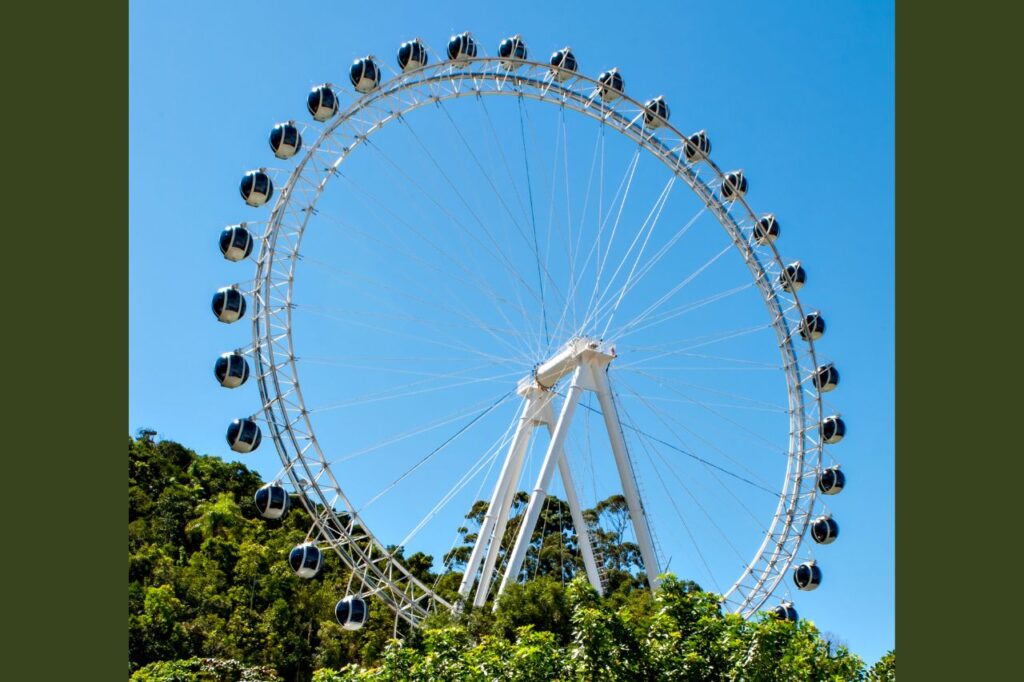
625 467
582 534
506 480
583 538
543 479
586 359
494 548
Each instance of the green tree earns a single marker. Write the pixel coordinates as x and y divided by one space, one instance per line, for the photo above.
211 596
885 669
204 670
540 604
159 632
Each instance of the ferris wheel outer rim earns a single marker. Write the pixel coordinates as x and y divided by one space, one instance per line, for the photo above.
457 73
361 103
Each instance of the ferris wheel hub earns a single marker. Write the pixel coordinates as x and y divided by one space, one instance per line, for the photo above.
577 351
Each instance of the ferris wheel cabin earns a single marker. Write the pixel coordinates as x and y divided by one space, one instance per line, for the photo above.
231 370
256 188
285 140
228 305
244 435
824 530
612 86
235 243
512 50
322 103
271 501
656 112
833 429
766 230
785 611
812 327
698 146
734 186
461 47
364 75
412 54
807 576
563 65
305 560
826 377
352 612
831 481
793 277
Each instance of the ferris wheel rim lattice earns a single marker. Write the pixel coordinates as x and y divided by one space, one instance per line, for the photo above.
585 360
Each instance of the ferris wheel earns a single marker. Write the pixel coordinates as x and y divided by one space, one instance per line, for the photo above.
488 270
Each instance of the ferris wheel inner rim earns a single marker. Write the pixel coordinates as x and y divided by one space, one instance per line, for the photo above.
456 74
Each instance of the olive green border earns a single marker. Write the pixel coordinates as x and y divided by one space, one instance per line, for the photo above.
65 346
66 237
959 340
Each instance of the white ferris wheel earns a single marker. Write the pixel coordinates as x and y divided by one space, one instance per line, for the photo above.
486 270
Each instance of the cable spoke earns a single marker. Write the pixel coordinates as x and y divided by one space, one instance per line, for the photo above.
771 445
391 440
430 455
654 213
603 258
674 290
665 417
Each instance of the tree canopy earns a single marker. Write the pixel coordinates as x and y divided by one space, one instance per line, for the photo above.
211 597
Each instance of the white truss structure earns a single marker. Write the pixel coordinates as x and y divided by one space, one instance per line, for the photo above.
288 421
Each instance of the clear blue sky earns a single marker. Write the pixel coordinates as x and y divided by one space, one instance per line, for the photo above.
800 95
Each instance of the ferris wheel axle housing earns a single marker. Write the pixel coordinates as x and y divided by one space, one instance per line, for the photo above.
577 351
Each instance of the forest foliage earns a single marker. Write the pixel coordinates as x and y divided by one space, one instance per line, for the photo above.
211 597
